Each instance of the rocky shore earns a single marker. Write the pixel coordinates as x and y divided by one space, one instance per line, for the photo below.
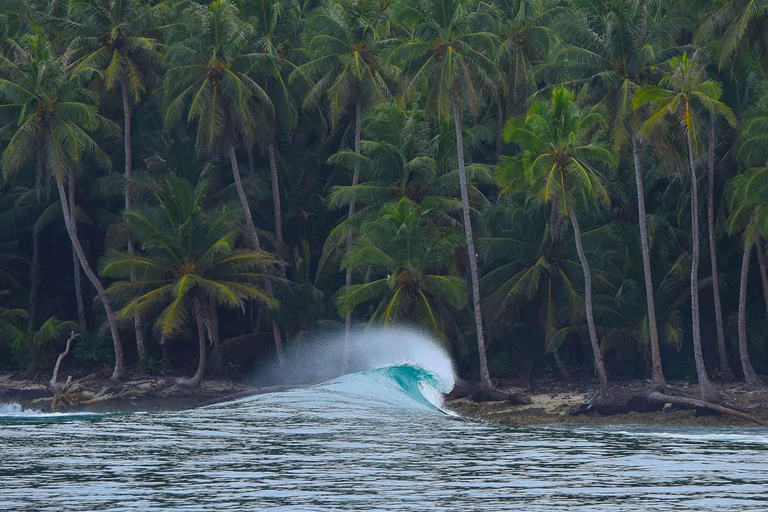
557 403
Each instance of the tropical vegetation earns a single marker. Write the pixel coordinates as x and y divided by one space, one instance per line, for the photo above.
532 182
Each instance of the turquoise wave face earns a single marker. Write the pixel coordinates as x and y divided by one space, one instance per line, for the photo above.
403 386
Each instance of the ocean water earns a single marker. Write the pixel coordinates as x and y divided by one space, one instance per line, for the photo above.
379 439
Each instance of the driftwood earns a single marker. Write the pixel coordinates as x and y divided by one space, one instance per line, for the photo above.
64 354
64 395
661 398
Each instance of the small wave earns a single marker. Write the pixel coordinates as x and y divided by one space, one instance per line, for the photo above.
17 411
717 437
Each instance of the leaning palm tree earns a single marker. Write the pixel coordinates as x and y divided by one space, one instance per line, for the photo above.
450 56
120 39
612 49
684 86
55 115
748 198
409 255
189 265
347 38
209 78
557 165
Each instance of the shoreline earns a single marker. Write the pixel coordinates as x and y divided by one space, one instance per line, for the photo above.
558 404
551 403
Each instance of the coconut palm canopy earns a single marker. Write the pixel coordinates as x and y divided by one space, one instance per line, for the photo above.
526 179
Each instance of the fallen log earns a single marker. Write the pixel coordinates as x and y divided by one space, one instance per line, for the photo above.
661 398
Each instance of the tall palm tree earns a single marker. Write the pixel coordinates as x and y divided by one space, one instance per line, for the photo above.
450 56
748 198
189 265
209 77
274 22
557 165
120 40
612 48
55 115
347 38
410 254
684 86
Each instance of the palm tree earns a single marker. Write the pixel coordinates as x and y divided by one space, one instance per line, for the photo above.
395 161
736 24
684 85
450 56
347 38
120 40
559 152
210 63
528 266
748 194
274 22
612 48
189 265
55 114
524 39
410 253
30 347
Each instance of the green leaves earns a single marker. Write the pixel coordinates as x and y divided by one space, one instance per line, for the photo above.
187 251
560 153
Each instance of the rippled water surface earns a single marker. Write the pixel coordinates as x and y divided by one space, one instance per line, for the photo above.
367 442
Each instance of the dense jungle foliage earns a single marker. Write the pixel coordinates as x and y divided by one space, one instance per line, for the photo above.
572 184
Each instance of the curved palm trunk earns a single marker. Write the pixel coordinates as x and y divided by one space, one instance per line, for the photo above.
254 239
725 366
602 376
276 198
750 376
657 374
485 376
197 378
137 323
75 262
119 371
34 271
764 278
355 181
705 386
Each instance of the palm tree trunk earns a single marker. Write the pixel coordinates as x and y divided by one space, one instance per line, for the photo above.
598 354
212 314
725 366
764 278
119 371
254 239
137 323
73 175
499 129
355 181
657 374
197 378
750 376
485 376
562 366
705 386
34 271
276 198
